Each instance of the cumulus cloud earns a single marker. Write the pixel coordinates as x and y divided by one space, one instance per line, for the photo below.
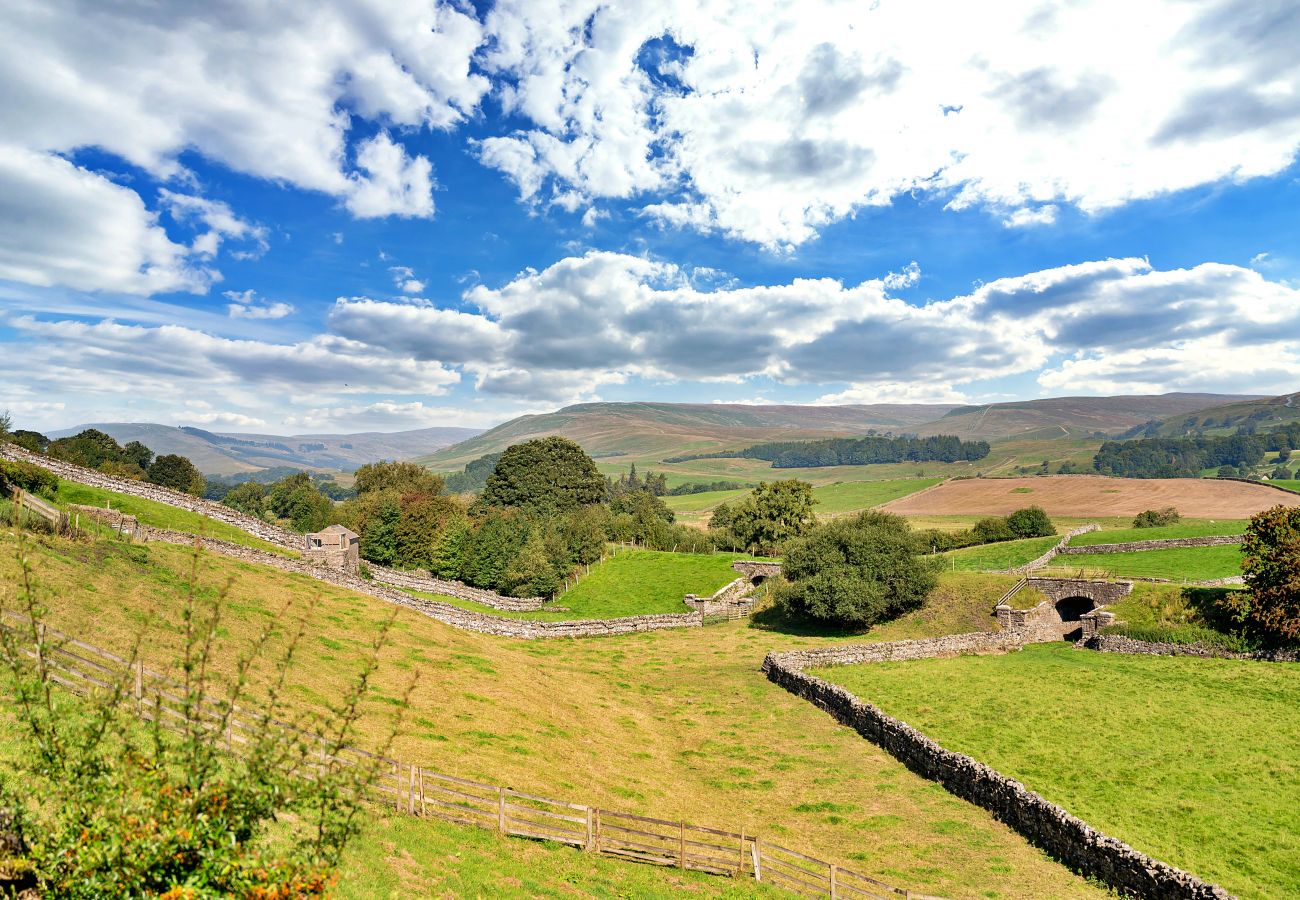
768 122
404 280
606 318
389 183
247 305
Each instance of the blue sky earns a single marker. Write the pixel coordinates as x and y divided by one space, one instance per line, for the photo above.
392 215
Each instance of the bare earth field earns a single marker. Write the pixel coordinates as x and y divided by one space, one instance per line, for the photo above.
1093 495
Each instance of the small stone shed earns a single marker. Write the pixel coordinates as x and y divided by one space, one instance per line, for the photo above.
334 547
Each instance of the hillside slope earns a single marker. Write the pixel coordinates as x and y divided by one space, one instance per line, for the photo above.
222 453
1074 417
1264 414
650 431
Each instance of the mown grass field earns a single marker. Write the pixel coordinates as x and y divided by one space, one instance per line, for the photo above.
1292 484
676 724
159 515
630 583
1194 761
838 498
1185 529
1175 564
996 557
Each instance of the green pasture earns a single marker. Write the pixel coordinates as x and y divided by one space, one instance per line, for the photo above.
1174 564
1194 761
159 515
1186 529
995 557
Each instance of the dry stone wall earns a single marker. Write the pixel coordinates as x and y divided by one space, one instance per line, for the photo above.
1217 540
443 612
1051 554
422 581
1065 836
1117 643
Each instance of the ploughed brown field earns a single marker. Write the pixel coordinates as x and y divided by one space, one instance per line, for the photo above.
1080 496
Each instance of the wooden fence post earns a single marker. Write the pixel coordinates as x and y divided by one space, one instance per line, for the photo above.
740 870
424 808
501 810
410 806
758 869
139 684
681 847
589 846
834 892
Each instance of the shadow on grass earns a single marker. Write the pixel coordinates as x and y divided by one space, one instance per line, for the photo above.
776 619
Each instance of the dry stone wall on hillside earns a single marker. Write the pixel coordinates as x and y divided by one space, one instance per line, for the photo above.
1047 825
1217 540
1118 643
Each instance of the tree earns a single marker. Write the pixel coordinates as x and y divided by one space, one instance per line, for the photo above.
491 548
30 440
1281 473
856 572
448 555
379 539
1032 521
137 454
296 499
402 477
89 448
6 423
177 473
530 573
1270 605
992 529
423 518
544 476
721 518
248 497
773 514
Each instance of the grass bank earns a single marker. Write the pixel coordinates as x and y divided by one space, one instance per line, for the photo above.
1175 564
996 557
1196 762
159 515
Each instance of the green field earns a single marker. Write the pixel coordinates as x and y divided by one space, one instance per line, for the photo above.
996 557
159 515
833 499
1186 529
631 583
1175 564
673 724
703 502
1291 485
1196 762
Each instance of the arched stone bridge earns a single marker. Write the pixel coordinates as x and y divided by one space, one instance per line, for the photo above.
1071 610
757 571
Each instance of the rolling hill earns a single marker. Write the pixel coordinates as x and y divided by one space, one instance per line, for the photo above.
230 454
1072 417
1226 418
647 432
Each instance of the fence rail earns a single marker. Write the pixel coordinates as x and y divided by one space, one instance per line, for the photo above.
410 789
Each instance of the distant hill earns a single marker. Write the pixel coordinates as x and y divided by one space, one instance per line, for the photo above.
1226 418
1072 417
648 432
222 453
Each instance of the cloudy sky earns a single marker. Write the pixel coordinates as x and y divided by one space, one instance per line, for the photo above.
391 214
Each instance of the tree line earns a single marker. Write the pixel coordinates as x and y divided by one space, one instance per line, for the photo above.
860 451
1187 457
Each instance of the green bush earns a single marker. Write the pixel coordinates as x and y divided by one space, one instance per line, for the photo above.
1270 605
1032 521
28 476
1156 518
856 572
177 473
991 530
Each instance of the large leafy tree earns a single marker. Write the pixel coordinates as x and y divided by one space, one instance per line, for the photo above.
856 572
90 448
401 477
774 513
544 476
177 473
295 498
1270 605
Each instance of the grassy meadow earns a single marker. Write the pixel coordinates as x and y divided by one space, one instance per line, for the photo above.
999 556
1174 564
1194 761
1186 529
159 515
675 724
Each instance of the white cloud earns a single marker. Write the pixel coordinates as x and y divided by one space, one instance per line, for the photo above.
63 225
393 184
405 281
247 305
226 419
390 415
768 121
219 219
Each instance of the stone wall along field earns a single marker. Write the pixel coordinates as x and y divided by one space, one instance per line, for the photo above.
1066 837
1117 643
1217 540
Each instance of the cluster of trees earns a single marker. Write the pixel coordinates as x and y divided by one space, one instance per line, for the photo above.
295 500
1156 518
630 483
94 449
475 475
867 450
1187 457
28 477
704 487
219 486
856 572
1029 522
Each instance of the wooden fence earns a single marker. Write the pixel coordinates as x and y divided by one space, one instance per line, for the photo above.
414 790
57 519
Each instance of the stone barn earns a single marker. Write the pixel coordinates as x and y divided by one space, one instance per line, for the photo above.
334 547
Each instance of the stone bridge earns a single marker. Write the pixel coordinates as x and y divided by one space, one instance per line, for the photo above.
757 571
1071 610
